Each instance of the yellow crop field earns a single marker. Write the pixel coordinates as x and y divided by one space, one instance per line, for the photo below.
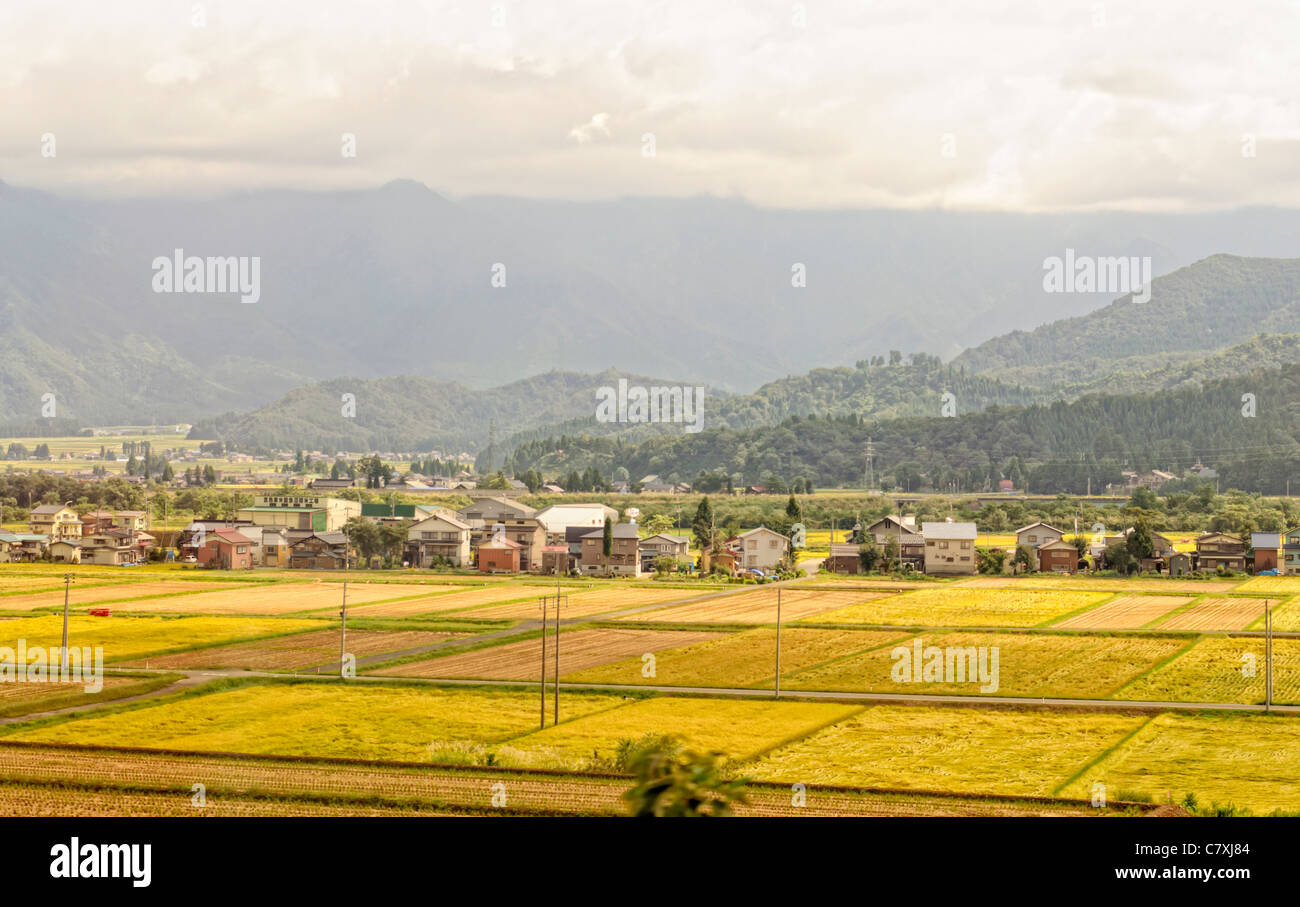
1286 616
740 729
757 606
25 698
268 598
744 659
522 660
586 604
458 600
1075 667
1281 585
1218 614
958 607
1223 669
1128 612
14 583
115 594
299 650
1246 760
1098 583
370 722
999 751
130 637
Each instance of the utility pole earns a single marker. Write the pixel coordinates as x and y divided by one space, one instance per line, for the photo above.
555 719
778 642
541 603
871 453
343 635
1268 658
67 589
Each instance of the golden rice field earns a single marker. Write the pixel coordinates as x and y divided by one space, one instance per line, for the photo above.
269 598
579 649
585 603
308 719
757 606
25 698
1039 665
17 583
117 594
1246 760
1282 585
959 607
1217 614
1286 617
460 599
48 801
1216 669
297 651
741 729
1098 583
1001 751
1127 612
131 637
745 659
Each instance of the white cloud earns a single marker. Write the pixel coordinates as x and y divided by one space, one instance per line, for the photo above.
1049 110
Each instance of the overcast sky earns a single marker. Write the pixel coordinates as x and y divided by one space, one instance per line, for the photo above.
988 105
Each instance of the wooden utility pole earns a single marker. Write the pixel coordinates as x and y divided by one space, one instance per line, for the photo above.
542 604
343 633
555 718
778 642
67 589
1268 658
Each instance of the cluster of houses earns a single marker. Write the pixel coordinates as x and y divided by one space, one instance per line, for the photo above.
948 548
113 538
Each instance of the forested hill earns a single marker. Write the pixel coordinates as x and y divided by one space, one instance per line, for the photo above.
1056 447
1193 312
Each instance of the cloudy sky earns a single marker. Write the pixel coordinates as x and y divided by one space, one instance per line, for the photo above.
1162 105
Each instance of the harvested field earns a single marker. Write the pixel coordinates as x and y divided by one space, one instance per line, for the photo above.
1002 751
1099 583
744 659
741 729
586 604
755 607
98 594
132 637
1075 667
161 784
1218 614
269 598
11 584
320 719
1128 612
301 650
1223 669
960 607
1245 760
579 649
1282 585
460 600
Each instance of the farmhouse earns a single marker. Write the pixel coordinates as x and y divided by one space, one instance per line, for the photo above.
1291 552
487 511
843 559
442 535
58 521
949 547
1267 547
499 556
320 551
1036 534
1217 549
1057 556
624 558
226 549
761 548
16 547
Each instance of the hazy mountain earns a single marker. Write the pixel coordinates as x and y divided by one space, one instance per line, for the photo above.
1192 312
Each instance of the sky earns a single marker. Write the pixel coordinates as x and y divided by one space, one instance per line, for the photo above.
983 105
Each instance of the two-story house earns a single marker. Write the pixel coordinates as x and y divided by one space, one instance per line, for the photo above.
624 558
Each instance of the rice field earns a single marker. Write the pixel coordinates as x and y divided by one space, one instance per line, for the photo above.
312 719
1245 760
297 651
1039 665
745 659
1217 614
1282 585
739 729
268 598
963 607
132 637
585 603
1099 584
579 650
1127 612
459 600
119 593
26 698
1002 751
1286 616
1223 669
755 607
